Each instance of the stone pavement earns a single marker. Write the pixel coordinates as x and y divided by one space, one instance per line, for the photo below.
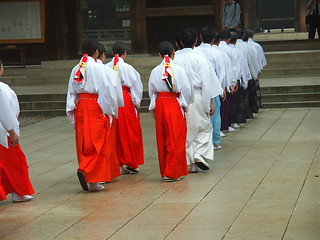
263 185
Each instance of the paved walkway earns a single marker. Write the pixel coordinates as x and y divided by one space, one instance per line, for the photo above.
263 185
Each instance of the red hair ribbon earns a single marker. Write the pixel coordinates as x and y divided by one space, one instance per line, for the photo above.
166 65
115 61
82 65
167 78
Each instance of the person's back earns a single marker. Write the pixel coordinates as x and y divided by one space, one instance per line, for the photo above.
170 93
92 101
13 164
129 143
199 145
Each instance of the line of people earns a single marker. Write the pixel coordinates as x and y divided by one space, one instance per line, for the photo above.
196 95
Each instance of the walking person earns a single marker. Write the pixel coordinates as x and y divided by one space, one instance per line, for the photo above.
129 142
92 103
199 136
14 175
170 93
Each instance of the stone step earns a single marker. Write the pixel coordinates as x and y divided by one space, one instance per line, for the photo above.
43 105
292 64
33 80
288 45
293 56
291 97
31 70
290 89
43 112
291 104
303 71
42 97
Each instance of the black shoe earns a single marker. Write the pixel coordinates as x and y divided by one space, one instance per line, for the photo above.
82 181
130 169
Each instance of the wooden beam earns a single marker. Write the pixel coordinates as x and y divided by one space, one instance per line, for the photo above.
179 11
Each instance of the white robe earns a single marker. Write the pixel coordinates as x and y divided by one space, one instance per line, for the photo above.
245 71
227 65
198 73
182 85
260 51
199 128
234 58
252 56
9 112
131 78
99 80
214 62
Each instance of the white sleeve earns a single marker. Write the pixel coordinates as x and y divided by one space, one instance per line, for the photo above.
152 89
185 88
207 92
109 91
8 117
72 98
133 79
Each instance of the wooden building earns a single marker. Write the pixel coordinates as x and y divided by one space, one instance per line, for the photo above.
143 23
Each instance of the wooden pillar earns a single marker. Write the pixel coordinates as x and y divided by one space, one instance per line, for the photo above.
301 15
138 26
218 12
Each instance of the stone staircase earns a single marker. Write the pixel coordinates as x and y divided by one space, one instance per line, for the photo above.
40 90
295 78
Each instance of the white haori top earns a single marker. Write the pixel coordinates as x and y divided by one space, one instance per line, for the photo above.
260 51
198 73
130 78
182 84
115 83
98 80
252 56
9 112
234 58
227 65
245 71
215 63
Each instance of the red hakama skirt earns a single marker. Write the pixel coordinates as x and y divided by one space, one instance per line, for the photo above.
95 144
129 134
14 176
171 131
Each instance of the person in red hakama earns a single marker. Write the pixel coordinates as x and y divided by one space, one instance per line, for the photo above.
92 103
171 93
14 176
128 129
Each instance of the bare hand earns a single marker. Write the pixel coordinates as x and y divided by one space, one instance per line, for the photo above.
13 137
211 108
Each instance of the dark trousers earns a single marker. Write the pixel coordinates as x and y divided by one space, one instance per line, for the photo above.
314 25
239 113
226 112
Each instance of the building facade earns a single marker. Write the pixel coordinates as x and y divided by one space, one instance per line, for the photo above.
142 24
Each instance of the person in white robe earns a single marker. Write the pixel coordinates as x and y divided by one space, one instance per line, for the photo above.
199 128
215 61
263 60
255 67
239 111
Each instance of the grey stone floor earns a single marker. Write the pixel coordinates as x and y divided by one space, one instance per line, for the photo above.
263 185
